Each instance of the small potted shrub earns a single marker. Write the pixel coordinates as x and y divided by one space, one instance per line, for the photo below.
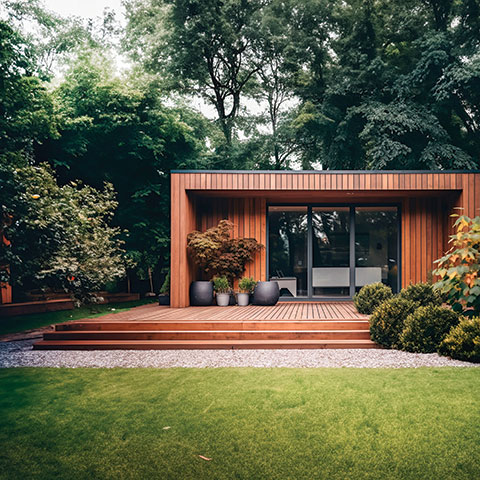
222 289
246 286
217 254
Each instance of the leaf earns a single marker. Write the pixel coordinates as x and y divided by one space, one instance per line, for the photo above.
205 458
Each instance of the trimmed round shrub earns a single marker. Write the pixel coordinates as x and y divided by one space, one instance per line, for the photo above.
387 321
426 327
422 293
463 341
371 296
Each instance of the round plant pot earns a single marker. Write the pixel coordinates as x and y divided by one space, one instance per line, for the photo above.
163 299
243 299
266 293
201 293
223 299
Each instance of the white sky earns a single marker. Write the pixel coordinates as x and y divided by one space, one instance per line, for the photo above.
84 8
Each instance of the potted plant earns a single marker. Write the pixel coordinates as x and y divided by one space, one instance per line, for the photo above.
246 286
222 289
217 254
164 297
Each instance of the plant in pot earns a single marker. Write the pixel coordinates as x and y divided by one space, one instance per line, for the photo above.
246 286
217 254
222 289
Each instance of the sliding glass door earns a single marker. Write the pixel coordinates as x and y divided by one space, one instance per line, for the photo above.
332 251
288 249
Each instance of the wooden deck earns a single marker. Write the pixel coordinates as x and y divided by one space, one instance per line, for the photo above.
286 325
283 311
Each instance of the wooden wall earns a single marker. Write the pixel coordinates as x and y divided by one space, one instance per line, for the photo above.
201 199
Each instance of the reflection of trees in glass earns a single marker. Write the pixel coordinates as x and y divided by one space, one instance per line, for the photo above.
287 242
331 238
376 238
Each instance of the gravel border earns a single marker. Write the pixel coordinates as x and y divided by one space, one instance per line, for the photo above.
20 354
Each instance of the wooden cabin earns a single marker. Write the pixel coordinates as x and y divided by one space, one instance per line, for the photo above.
326 233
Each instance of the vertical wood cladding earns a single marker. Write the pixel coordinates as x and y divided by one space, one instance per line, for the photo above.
425 222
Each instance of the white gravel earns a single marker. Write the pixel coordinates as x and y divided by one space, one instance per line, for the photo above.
20 354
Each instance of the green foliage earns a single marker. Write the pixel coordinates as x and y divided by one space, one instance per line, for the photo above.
247 285
58 237
387 321
463 341
371 296
165 289
27 114
119 131
221 285
218 254
422 294
425 329
459 269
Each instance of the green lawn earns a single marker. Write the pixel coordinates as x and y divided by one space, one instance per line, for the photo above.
38 320
253 423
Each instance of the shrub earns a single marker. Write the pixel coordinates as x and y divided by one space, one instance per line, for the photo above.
421 293
371 296
247 285
221 284
425 328
463 341
165 290
218 254
459 269
387 321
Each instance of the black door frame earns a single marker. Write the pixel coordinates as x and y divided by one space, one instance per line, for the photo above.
351 206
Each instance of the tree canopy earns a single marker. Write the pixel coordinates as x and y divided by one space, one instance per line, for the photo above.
232 84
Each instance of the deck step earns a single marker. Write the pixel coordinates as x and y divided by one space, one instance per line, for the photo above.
210 335
344 324
200 344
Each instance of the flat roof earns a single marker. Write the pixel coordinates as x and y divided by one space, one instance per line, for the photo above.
326 171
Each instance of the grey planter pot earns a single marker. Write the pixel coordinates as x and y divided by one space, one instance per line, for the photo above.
163 299
201 293
223 299
243 299
266 293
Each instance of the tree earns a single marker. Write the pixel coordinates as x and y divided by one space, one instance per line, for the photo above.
117 130
200 47
57 237
27 113
459 269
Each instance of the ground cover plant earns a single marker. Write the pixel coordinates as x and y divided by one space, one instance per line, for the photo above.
252 423
39 320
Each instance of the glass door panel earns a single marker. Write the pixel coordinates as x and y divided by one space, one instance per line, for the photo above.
331 251
287 249
376 246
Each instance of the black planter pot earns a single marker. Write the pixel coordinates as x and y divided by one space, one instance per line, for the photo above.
164 299
201 293
266 293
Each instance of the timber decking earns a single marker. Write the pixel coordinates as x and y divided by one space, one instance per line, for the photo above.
286 325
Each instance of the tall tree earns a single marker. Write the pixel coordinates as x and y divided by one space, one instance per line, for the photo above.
117 130
200 47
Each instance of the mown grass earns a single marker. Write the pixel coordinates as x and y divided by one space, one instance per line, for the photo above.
38 320
252 423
